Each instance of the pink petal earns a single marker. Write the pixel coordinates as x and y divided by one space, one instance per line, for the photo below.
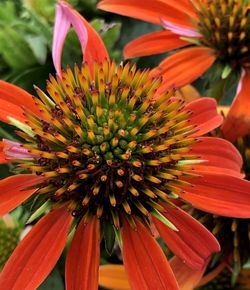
93 48
180 30
61 28
15 150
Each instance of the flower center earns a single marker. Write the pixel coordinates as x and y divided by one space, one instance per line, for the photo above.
105 145
225 26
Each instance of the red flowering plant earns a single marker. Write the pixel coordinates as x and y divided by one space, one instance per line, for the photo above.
232 233
205 34
227 268
108 155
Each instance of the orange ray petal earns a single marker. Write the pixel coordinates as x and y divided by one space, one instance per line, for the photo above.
38 252
2 155
219 194
218 153
17 97
237 122
82 261
204 115
153 43
8 109
144 261
193 243
12 190
187 278
185 66
113 277
182 5
148 10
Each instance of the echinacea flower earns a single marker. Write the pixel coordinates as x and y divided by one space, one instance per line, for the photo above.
206 30
109 158
233 234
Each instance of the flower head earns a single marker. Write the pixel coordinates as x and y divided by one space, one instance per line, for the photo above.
209 31
108 157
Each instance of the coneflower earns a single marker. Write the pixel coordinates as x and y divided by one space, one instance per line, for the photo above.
109 158
209 31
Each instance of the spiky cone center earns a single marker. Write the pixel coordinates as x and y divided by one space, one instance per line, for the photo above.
225 26
9 238
106 146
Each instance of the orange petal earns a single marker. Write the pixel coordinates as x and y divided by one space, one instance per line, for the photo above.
38 252
193 243
153 43
211 275
204 115
8 109
182 5
113 277
189 93
144 261
147 10
82 261
183 67
237 122
12 190
218 153
187 278
17 96
219 194
2 155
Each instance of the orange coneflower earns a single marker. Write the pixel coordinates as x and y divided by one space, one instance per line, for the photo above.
209 31
107 157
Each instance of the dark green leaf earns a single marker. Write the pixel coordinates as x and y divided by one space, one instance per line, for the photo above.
109 237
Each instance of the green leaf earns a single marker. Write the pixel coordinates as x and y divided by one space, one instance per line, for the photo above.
163 219
25 128
40 211
32 204
7 12
54 281
39 47
15 50
110 33
118 235
109 237
226 71
191 40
